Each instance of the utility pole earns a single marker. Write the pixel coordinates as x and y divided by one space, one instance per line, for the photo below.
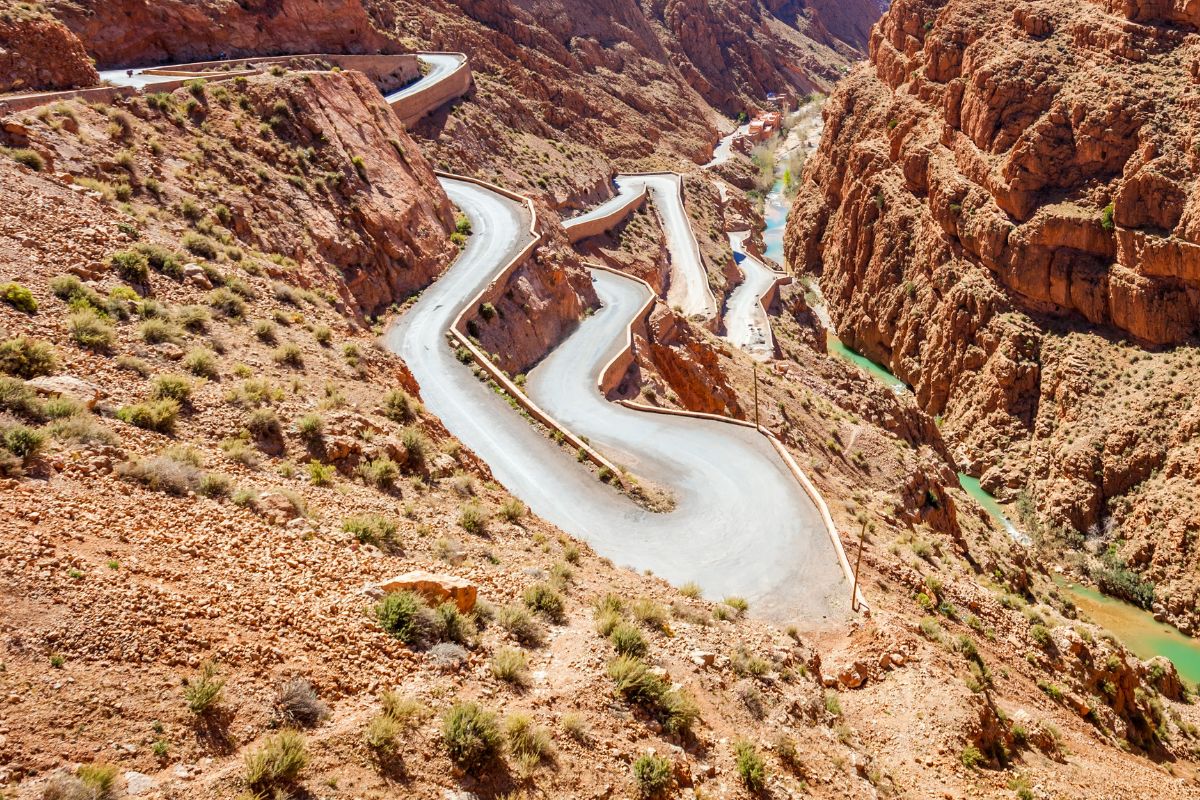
755 394
862 534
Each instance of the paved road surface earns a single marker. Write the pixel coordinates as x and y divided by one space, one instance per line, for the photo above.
746 323
742 525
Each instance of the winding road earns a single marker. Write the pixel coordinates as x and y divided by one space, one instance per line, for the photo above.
742 524
746 322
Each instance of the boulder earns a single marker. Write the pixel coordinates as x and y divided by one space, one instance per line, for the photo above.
435 588
195 275
67 386
277 507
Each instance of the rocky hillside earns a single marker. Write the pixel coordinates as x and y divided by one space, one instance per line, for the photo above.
38 52
1002 211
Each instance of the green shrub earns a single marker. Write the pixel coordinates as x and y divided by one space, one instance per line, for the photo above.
691 590
18 297
750 766
163 473
323 335
320 474
289 355
529 743
23 442
1107 217
90 330
277 763
100 779
511 666
471 735
971 756
131 265
172 387
381 472
264 331
649 613
161 260
545 600
157 330
634 681
512 509
517 621
83 429
264 424
628 640
157 415
310 427
227 303
200 245
203 692
652 775
473 519
25 157
405 616
202 363
17 398
382 736
27 358
373 529
194 318
399 406
213 484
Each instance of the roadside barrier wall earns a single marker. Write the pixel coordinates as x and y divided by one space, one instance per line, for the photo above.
593 226
411 108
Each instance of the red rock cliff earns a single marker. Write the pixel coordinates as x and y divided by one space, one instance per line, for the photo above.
1005 190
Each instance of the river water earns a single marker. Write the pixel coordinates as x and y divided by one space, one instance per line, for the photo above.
1135 627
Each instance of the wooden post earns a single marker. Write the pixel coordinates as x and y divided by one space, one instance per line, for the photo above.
862 534
756 395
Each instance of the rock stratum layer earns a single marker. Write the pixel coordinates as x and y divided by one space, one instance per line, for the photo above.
1004 211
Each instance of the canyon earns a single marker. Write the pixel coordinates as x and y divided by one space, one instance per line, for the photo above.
289 519
1000 212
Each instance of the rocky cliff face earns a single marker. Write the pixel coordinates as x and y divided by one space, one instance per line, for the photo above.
38 52
122 33
275 167
1003 209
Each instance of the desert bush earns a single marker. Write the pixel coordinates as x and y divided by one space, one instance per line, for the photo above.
674 709
131 265
264 424
194 318
155 415
310 427
88 329
650 613
17 296
320 474
61 407
264 331
750 766
214 484
691 590
575 726
252 393
652 775
381 472
160 259
545 600
473 519
523 627
372 529
157 330
16 397
297 704
406 616
27 358
511 666
289 355
202 363
172 387
200 245
512 509
528 742
227 303
399 406
416 445
277 763
22 441
82 429
627 640
25 157
163 474
471 735
382 736
323 335
203 692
